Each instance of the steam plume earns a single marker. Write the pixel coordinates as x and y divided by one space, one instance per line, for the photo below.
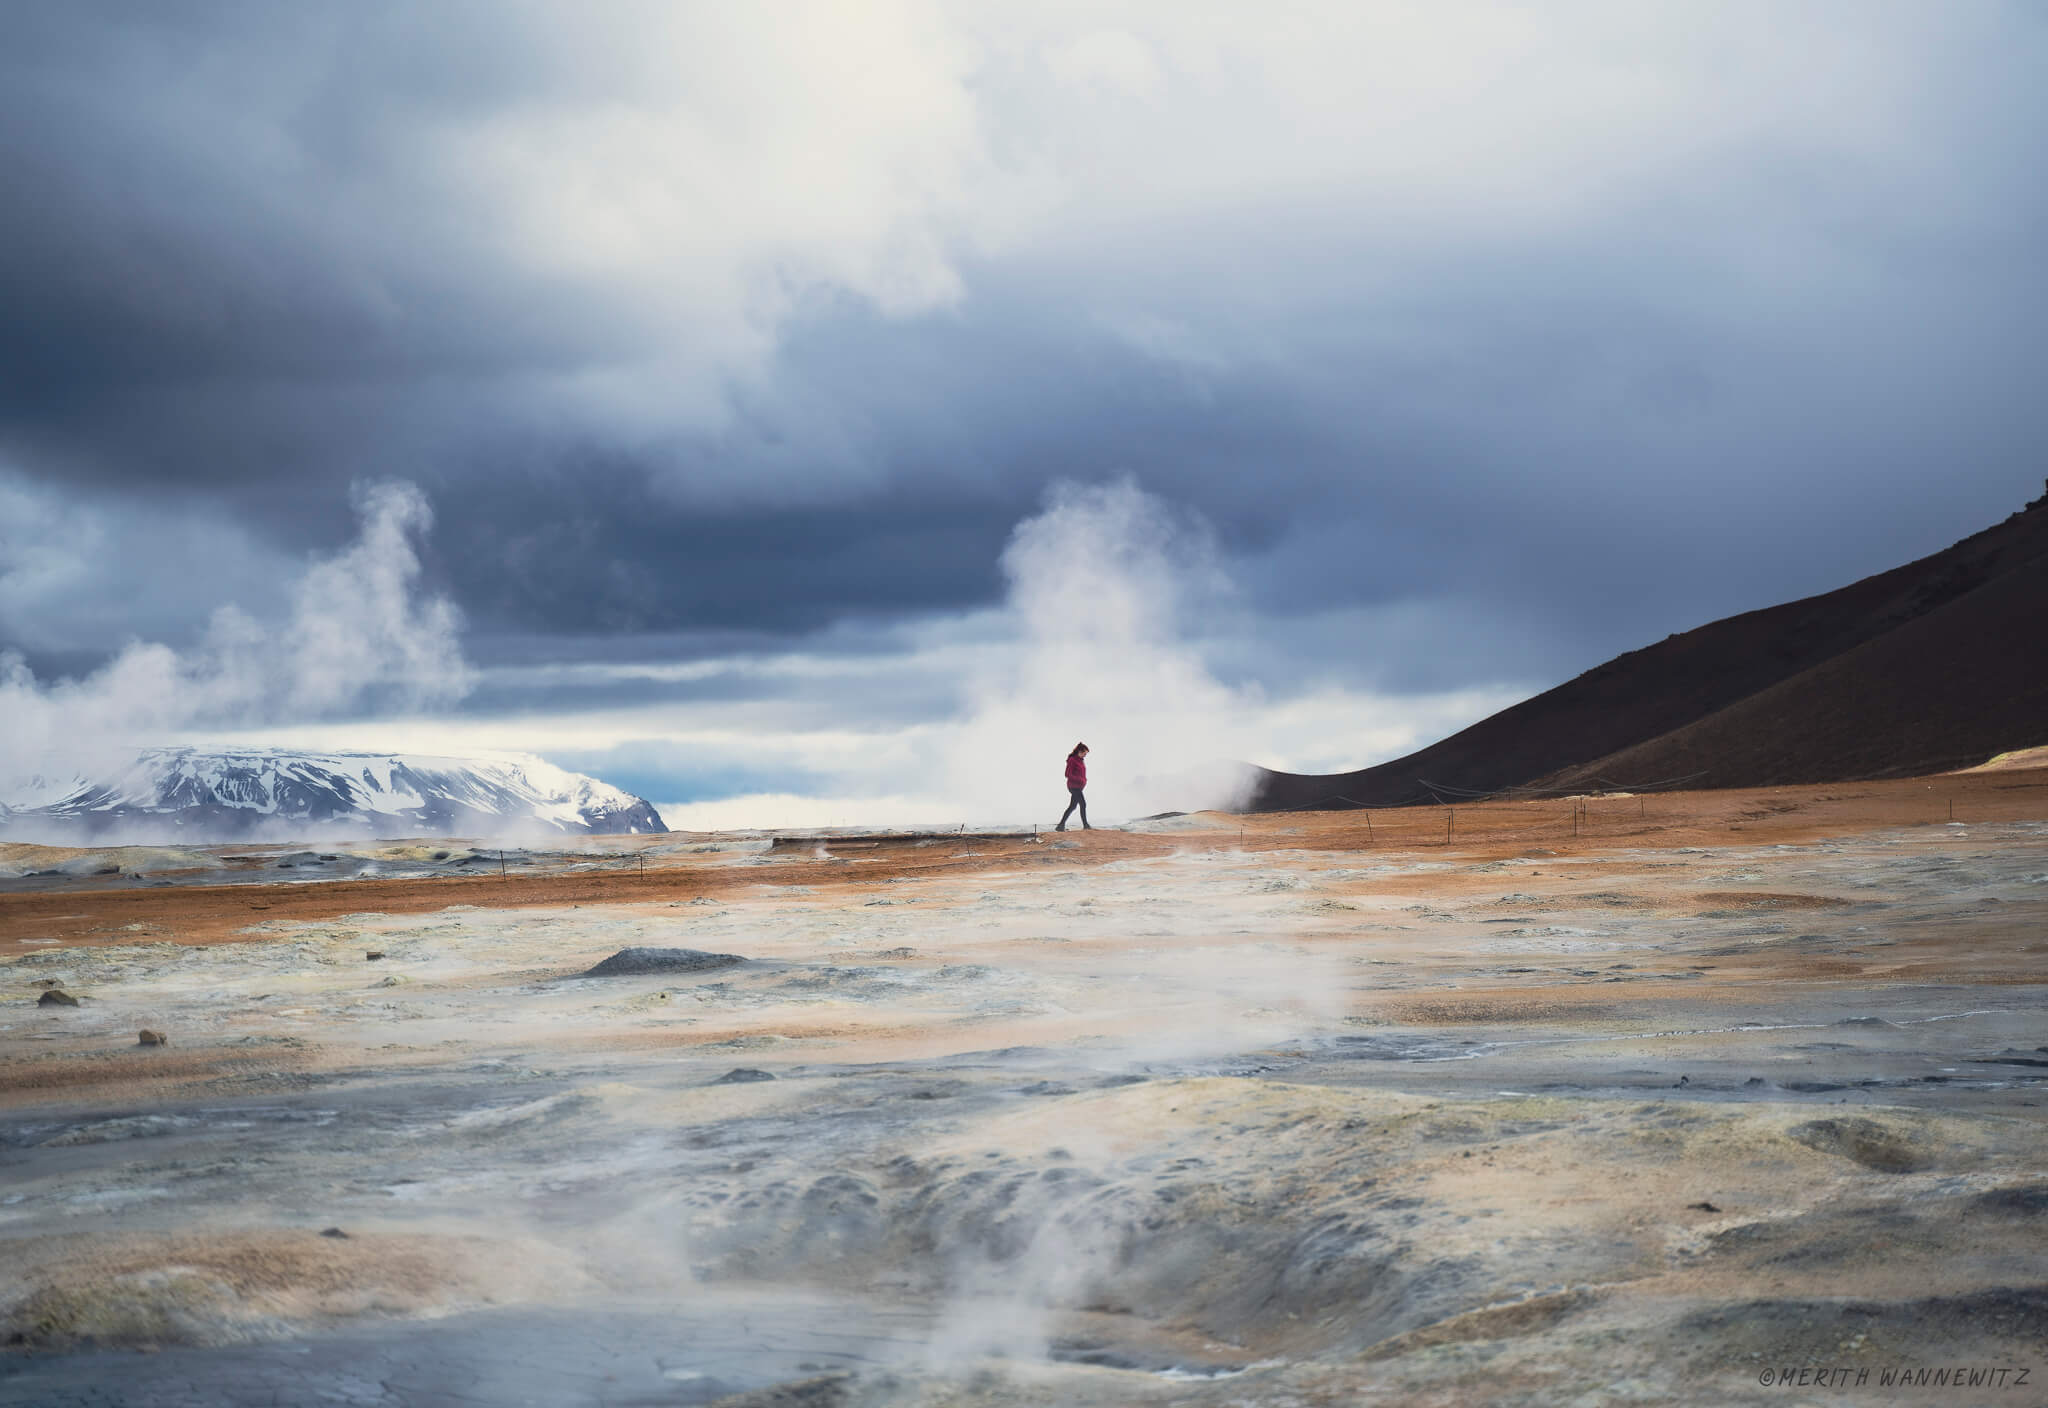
1101 584
358 636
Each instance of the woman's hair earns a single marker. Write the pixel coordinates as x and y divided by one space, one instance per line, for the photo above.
1079 748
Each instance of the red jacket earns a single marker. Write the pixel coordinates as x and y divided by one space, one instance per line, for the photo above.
1077 771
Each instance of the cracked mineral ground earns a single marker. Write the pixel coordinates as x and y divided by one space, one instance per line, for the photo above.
1279 1110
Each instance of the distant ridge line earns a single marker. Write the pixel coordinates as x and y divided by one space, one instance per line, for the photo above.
1927 667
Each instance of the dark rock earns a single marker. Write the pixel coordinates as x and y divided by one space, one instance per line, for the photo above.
146 1037
1861 1141
628 961
56 997
742 1075
1701 1207
2027 1200
2011 1056
334 1232
373 955
829 1391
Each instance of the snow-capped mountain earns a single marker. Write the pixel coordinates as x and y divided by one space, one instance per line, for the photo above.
196 795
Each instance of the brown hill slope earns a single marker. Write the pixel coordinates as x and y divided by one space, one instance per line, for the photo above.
1935 664
1946 690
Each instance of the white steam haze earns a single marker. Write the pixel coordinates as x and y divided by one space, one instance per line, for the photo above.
1106 587
1100 585
1114 598
1113 595
357 634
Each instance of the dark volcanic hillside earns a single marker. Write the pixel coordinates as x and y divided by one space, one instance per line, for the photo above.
1933 665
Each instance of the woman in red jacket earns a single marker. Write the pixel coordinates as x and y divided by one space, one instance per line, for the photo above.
1077 779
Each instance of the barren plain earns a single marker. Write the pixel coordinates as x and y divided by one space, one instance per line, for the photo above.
1624 1100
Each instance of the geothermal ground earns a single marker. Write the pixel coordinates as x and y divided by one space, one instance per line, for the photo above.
1288 1110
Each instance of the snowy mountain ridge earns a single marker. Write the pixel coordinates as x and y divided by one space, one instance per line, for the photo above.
196 794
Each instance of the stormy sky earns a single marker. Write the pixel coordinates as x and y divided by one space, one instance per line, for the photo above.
807 411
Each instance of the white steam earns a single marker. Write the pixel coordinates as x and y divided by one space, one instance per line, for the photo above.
357 635
1112 594
1102 583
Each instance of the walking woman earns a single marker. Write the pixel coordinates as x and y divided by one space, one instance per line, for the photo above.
1077 780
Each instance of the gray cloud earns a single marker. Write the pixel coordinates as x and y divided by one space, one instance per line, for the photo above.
1487 347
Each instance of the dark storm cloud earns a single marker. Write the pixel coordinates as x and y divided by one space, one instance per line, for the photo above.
219 283
876 696
648 312
568 549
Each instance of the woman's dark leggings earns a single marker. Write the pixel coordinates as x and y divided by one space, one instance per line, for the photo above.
1079 801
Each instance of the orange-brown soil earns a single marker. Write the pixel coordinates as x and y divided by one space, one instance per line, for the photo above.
93 911
1401 1107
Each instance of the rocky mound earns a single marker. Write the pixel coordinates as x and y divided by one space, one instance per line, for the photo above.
629 961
